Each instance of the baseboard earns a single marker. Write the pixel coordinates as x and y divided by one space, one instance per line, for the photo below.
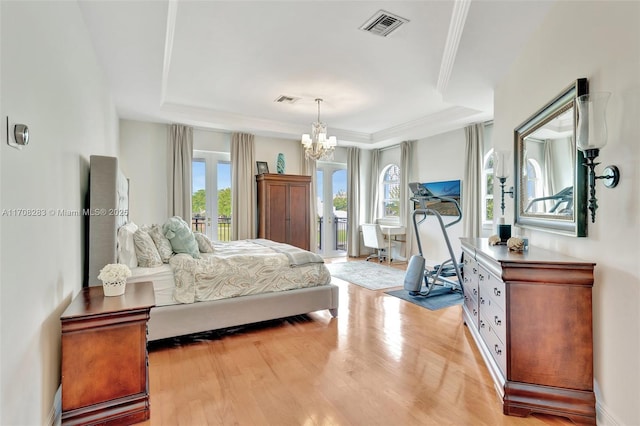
55 414
604 416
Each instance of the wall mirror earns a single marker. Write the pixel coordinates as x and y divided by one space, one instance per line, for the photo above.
550 189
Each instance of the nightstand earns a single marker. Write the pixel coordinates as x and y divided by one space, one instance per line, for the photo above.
105 366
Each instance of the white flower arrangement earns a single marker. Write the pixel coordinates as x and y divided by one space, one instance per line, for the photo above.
114 272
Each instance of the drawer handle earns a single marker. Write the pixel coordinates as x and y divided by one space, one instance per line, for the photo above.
481 301
475 291
481 277
496 291
481 324
497 320
497 350
465 279
475 271
466 298
475 313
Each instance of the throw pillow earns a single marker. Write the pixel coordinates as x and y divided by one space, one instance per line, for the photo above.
204 243
162 243
126 248
146 251
181 237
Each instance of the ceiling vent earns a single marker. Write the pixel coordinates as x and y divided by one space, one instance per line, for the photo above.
383 23
286 99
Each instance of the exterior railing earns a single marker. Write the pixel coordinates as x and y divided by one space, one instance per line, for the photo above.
199 224
339 233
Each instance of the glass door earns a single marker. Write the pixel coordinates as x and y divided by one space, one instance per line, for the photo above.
211 199
332 209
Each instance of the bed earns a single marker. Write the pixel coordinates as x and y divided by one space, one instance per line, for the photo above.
108 197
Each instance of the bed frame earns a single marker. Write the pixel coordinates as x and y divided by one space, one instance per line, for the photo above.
109 191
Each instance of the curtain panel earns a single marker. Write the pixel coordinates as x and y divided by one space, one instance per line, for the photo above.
406 212
179 173
472 189
372 213
309 168
243 187
353 205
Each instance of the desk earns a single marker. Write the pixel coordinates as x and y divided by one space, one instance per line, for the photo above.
392 231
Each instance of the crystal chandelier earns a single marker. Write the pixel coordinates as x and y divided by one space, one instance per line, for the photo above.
318 146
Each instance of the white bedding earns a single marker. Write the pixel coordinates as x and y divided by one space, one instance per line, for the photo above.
236 268
163 282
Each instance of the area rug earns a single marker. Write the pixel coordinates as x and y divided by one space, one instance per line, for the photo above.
371 275
439 297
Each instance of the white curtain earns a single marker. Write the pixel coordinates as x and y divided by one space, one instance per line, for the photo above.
353 205
180 159
243 187
472 185
372 214
406 150
548 175
309 168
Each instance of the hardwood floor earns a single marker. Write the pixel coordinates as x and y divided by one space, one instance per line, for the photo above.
382 361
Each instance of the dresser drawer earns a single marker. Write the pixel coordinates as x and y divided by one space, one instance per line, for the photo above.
494 317
494 288
470 276
496 348
471 306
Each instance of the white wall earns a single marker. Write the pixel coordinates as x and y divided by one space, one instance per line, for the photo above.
143 159
267 149
439 158
51 81
600 41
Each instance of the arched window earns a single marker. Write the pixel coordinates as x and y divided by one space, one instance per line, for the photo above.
390 190
487 187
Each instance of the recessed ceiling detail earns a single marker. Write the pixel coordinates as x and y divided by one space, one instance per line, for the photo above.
383 23
286 99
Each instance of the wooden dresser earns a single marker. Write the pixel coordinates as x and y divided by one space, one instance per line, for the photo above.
105 367
530 315
283 208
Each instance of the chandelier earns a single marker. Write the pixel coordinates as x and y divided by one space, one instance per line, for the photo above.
318 146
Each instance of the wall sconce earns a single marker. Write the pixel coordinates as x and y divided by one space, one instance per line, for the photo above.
591 135
501 170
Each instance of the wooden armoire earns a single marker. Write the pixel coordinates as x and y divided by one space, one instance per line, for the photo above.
283 208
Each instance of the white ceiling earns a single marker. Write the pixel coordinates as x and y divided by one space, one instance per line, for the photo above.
221 64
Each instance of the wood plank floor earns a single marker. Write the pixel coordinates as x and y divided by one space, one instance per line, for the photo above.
382 361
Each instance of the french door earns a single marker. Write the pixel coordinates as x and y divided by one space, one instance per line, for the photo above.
211 201
331 180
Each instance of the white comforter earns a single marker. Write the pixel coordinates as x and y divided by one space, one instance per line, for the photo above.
240 268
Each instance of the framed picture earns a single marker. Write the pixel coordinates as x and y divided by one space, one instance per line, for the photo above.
449 188
263 167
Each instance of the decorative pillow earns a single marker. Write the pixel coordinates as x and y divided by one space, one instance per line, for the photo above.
126 248
204 243
162 243
181 237
146 251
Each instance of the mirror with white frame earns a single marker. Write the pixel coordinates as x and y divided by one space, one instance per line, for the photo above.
550 189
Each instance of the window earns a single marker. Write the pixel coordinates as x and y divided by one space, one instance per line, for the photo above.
487 188
391 191
211 197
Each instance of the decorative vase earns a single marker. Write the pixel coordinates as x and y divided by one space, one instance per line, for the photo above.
280 163
114 289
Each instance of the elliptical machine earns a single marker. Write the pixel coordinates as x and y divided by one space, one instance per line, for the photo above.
447 273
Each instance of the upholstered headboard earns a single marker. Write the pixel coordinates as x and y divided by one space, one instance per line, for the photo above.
108 210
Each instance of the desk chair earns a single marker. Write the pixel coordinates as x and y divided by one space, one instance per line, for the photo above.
374 238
